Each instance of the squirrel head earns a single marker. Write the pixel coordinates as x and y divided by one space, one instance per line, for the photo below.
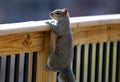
59 14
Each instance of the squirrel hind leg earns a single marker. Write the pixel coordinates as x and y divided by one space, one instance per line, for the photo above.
68 78
60 78
66 75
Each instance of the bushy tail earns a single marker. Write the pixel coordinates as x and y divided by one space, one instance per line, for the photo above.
66 75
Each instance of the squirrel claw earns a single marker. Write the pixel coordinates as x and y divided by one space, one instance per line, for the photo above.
47 22
52 21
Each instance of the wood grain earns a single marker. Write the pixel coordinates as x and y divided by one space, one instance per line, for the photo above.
94 34
20 43
30 66
42 74
114 32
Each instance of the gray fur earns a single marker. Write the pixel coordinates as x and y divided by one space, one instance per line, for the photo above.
61 58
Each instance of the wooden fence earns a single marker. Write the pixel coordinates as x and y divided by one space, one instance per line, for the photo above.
93 35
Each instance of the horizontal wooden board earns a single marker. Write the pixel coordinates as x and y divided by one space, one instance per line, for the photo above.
94 34
29 36
19 43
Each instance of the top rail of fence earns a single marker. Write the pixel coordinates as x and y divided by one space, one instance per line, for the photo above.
33 26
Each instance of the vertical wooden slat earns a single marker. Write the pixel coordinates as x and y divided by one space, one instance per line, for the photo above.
114 62
16 72
78 64
82 64
97 62
107 62
12 70
30 66
85 63
26 66
104 62
89 63
42 74
100 63
3 68
7 72
93 63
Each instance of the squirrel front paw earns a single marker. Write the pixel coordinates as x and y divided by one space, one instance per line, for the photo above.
50 22
47 22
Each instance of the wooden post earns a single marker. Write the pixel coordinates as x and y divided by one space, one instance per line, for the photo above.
42 74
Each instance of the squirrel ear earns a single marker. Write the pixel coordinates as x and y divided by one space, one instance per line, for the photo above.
65 11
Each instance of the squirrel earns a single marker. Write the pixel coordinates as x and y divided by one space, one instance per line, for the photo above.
61 56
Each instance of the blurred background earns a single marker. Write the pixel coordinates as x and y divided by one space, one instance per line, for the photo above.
12 11
34 10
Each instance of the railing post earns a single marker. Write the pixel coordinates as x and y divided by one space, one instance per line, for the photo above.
42 74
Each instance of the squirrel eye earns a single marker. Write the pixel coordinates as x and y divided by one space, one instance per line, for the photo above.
58 13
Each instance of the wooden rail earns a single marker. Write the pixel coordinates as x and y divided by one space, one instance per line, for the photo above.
35 36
